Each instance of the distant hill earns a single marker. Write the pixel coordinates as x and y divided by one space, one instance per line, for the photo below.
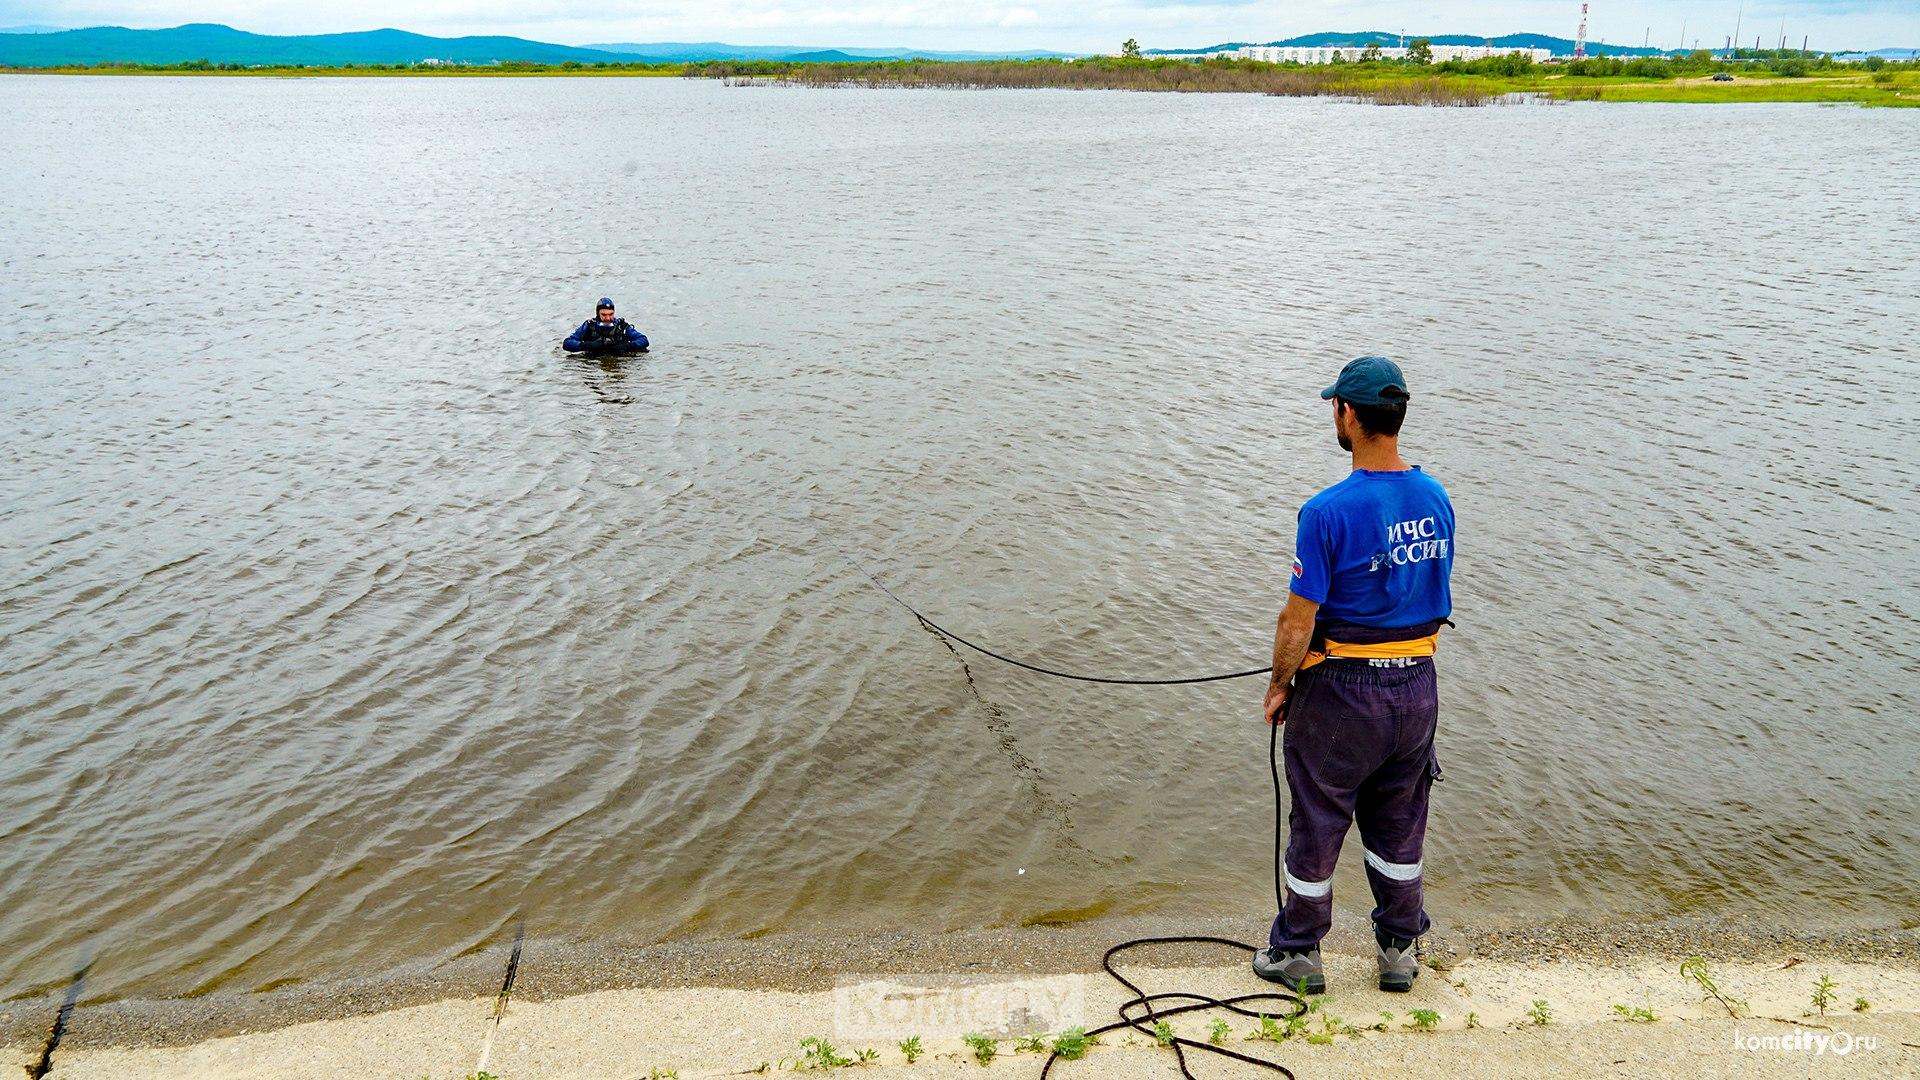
1557 45
224 45
46 46
665 52
825 56
685 52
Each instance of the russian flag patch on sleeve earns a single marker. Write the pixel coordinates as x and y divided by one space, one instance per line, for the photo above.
1298 570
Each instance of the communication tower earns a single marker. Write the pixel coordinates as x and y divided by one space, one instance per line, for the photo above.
1580 42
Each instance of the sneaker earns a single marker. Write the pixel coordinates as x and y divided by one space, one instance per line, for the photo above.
1299 971
1399 962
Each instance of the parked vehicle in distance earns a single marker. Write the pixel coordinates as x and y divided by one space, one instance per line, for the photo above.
1722 76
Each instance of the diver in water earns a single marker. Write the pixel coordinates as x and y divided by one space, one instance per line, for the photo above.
605 335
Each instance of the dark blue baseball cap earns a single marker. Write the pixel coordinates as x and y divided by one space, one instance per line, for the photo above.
605 302
1370 380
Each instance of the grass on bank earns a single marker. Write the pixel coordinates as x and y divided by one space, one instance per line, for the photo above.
1770 78
1900 92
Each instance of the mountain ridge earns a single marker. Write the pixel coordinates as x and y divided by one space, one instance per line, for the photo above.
40 46
220 44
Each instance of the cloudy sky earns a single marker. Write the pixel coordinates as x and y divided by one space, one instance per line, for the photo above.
998 24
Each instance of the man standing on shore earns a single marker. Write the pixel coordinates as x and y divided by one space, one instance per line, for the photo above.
1353 681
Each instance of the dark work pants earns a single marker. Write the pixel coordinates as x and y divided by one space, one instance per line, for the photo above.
1358 744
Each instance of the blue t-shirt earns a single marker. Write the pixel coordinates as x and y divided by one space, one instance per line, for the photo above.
1376 549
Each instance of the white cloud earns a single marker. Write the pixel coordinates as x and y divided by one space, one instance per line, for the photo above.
1061 24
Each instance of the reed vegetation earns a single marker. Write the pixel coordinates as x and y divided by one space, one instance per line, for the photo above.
1346 82
1223 77
1433 91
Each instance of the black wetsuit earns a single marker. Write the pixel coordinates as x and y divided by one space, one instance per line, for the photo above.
596 338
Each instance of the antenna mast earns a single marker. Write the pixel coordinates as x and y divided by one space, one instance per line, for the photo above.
1580 42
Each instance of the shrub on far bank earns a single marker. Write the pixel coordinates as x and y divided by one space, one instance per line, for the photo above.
1596 67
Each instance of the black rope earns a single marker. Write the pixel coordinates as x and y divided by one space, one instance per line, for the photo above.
1237 1004
984 651
1195 1003
1146 1016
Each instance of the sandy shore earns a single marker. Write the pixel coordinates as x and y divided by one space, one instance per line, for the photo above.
710 1032
724 1008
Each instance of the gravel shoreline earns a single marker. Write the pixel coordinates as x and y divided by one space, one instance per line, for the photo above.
554 968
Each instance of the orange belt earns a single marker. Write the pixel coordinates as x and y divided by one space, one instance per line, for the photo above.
1380 650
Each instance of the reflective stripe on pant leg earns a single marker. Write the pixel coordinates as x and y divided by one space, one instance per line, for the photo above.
1306 918
1313 890
1395 871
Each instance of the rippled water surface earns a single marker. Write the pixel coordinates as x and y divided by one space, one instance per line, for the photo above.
345 617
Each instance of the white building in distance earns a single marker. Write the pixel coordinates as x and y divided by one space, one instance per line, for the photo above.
1306 54
1186 55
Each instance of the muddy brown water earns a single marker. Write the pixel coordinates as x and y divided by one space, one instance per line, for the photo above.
343 619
